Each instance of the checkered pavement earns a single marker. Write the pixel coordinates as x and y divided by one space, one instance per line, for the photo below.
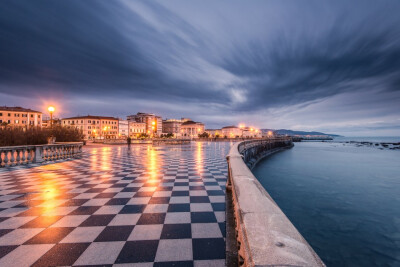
143 206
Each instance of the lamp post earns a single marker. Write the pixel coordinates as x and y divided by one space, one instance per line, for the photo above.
51 109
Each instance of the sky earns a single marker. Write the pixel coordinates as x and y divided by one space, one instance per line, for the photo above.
331 66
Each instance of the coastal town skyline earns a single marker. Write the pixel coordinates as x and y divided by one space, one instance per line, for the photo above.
317 67
199 133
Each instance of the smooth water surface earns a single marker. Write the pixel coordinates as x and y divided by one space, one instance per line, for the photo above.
344 200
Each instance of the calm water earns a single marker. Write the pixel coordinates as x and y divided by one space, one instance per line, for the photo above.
345 200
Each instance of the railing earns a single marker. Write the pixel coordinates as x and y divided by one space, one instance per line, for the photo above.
21 155
260 234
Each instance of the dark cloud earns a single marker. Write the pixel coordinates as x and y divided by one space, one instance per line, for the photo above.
219 62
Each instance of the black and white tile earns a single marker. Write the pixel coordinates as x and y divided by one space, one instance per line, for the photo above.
161 206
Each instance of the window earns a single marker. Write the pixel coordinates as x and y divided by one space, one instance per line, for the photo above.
38 116
81 121
1 121
16 121
1 114
9 121
31 115
9 114
89 121
89 127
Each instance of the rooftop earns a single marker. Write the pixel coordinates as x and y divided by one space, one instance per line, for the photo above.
91 117
18 109
191 122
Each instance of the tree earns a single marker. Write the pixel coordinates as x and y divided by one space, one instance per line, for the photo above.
204 135
168 135
143 136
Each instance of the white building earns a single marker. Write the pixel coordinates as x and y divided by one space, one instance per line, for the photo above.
123 128
136 129
214 133
231 131
94 127
192 129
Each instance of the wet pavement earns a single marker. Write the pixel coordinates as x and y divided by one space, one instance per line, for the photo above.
143 206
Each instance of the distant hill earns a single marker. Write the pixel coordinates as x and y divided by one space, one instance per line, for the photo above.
290 132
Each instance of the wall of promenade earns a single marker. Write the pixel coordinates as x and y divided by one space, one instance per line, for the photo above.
258 232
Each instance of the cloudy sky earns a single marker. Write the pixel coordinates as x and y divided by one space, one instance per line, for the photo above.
330 66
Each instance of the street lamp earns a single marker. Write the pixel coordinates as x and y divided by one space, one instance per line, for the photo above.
51 109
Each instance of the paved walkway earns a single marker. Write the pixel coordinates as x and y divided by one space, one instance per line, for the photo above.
149 205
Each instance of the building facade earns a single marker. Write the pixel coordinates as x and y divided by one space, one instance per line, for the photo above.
172 126
231 131
46 123
123 128
20 117
153 122
94 127
249 132
137 129
191 129
214 133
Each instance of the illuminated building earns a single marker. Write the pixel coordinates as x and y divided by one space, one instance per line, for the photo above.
19 117
94 127
192 129
153 122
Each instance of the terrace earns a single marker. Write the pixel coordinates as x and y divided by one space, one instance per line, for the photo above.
117 205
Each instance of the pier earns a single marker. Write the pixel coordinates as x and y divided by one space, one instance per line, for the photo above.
258 232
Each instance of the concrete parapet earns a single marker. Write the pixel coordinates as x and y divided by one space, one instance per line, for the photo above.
264 235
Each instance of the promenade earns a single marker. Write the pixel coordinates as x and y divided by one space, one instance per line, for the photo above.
161 205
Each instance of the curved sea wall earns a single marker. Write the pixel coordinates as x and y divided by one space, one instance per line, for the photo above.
258 232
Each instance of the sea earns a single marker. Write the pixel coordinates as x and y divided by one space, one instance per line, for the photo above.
343 196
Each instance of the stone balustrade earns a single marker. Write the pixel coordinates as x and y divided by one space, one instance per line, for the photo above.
21 155
258 232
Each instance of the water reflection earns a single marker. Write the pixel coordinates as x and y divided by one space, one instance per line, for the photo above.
154 164
199 157
105 159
